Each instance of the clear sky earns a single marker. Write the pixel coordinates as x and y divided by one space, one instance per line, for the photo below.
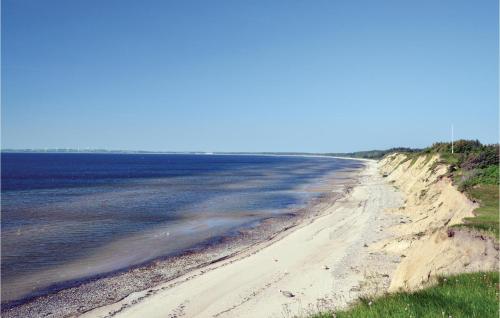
248 75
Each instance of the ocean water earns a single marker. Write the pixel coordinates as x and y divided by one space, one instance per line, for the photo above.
72 216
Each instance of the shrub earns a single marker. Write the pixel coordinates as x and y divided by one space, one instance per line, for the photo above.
483 159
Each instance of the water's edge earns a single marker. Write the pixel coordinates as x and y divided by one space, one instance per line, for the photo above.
79 296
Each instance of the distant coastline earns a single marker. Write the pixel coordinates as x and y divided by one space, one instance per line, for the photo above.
368 154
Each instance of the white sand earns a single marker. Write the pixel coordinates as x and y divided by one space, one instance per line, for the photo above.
249 284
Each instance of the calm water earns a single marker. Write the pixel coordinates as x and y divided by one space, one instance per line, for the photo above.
70 216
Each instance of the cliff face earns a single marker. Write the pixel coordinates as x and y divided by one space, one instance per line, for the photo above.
427 244
431 199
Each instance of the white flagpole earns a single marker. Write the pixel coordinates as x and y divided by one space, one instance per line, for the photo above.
452 138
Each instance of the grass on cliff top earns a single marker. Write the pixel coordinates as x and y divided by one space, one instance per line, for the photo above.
481 185
487 216
474 169
464 295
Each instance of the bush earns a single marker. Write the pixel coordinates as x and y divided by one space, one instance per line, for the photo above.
459 146
483 159
489 175
466 146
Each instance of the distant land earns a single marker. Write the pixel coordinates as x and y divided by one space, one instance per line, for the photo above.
369 154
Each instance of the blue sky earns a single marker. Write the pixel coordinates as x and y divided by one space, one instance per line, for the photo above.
248 75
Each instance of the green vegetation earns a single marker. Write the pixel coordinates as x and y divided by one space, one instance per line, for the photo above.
374 154
465 295
472 163
474 170
486 218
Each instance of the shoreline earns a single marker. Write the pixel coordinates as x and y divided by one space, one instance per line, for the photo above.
336 263
79 296
196 153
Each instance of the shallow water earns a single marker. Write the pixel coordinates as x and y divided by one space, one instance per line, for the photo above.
71 216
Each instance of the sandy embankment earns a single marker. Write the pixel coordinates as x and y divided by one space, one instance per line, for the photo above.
424 236
324 262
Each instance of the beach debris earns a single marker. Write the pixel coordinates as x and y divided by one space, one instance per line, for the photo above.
365 245
286 293
326 267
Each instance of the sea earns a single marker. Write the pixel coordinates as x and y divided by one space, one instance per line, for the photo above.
67 217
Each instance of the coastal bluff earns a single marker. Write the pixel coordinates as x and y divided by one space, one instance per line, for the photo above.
428 237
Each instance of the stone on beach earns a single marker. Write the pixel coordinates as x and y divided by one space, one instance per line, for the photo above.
286 293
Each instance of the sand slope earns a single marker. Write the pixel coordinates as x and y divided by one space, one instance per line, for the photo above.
249 284
432 205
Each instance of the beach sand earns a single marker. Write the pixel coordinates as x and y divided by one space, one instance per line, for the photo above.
325 262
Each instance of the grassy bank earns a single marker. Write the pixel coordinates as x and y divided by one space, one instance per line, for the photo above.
465 295
486 216
474 170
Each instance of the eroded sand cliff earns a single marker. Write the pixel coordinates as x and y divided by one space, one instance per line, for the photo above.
425 238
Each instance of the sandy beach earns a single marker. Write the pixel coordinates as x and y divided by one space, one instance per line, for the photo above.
381 228
323 263
378 229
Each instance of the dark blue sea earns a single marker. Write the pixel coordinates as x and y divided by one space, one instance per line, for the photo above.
71 216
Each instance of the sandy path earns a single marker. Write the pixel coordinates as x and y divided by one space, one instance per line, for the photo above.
249 285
